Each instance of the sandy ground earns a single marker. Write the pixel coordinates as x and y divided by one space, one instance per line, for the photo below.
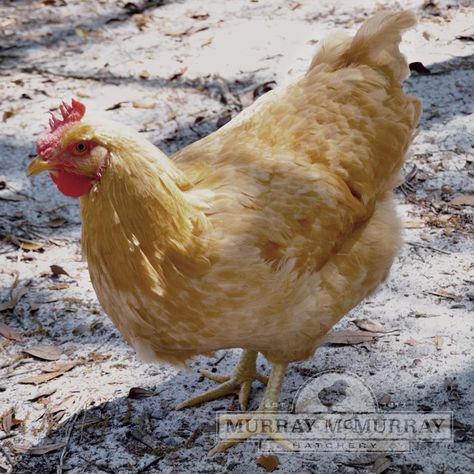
177 70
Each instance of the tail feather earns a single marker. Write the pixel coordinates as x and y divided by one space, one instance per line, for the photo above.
375 44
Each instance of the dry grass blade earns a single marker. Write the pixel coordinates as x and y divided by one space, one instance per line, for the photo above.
346 338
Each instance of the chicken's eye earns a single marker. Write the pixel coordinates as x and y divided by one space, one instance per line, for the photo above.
80 148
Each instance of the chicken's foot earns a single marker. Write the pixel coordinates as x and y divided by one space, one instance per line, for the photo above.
239 382
259 422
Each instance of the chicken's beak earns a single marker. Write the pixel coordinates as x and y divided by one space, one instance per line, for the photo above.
38 166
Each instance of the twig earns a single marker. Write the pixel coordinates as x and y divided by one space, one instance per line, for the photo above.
59 469
415 244
149 464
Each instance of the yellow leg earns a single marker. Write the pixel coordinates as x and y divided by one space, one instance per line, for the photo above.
239 382
268 407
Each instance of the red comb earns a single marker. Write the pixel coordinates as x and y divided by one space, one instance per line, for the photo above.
51 138
70 113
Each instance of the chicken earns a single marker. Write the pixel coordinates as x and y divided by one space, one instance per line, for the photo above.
262 235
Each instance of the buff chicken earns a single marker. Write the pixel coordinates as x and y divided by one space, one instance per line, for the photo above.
260 236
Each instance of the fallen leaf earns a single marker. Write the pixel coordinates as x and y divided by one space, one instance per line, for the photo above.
115 106
368 325
46 392
350 337
81 33
465 37
140 21
438 342
413 224
263 88
9 333
9 195
269 463
385 400
27 244
47 376
178 74
7 421
59 367
58 286
143 105
223 119
463 200
381 464
57 222
411 342
66 403
137 393
8 114
37 450
17 294
208 41
58 270
200 15
45 352
419 68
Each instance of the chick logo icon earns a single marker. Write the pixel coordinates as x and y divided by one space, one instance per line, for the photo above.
335 411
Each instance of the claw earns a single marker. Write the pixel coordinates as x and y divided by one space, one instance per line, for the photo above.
239 382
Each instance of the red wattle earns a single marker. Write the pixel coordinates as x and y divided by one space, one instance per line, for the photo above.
72 185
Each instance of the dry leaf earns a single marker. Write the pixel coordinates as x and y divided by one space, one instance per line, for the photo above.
463 200
17 294
37 450
45 352
350 337
178 73
269 463
413 224
438 342
141 21
419 68
8 195
46 392
381 464
27 244
9 114
368 325
47 376
411 342
385 400
465 37
208 41
58 286
57 222
137 393
9 333
7 421
200 15
58 270
59 367
143 105
66 403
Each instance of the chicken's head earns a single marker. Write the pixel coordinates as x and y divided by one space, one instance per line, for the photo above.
74 159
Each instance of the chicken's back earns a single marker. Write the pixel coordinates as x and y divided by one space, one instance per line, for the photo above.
299 192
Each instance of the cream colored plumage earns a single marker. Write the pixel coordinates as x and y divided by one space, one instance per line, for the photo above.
265 233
